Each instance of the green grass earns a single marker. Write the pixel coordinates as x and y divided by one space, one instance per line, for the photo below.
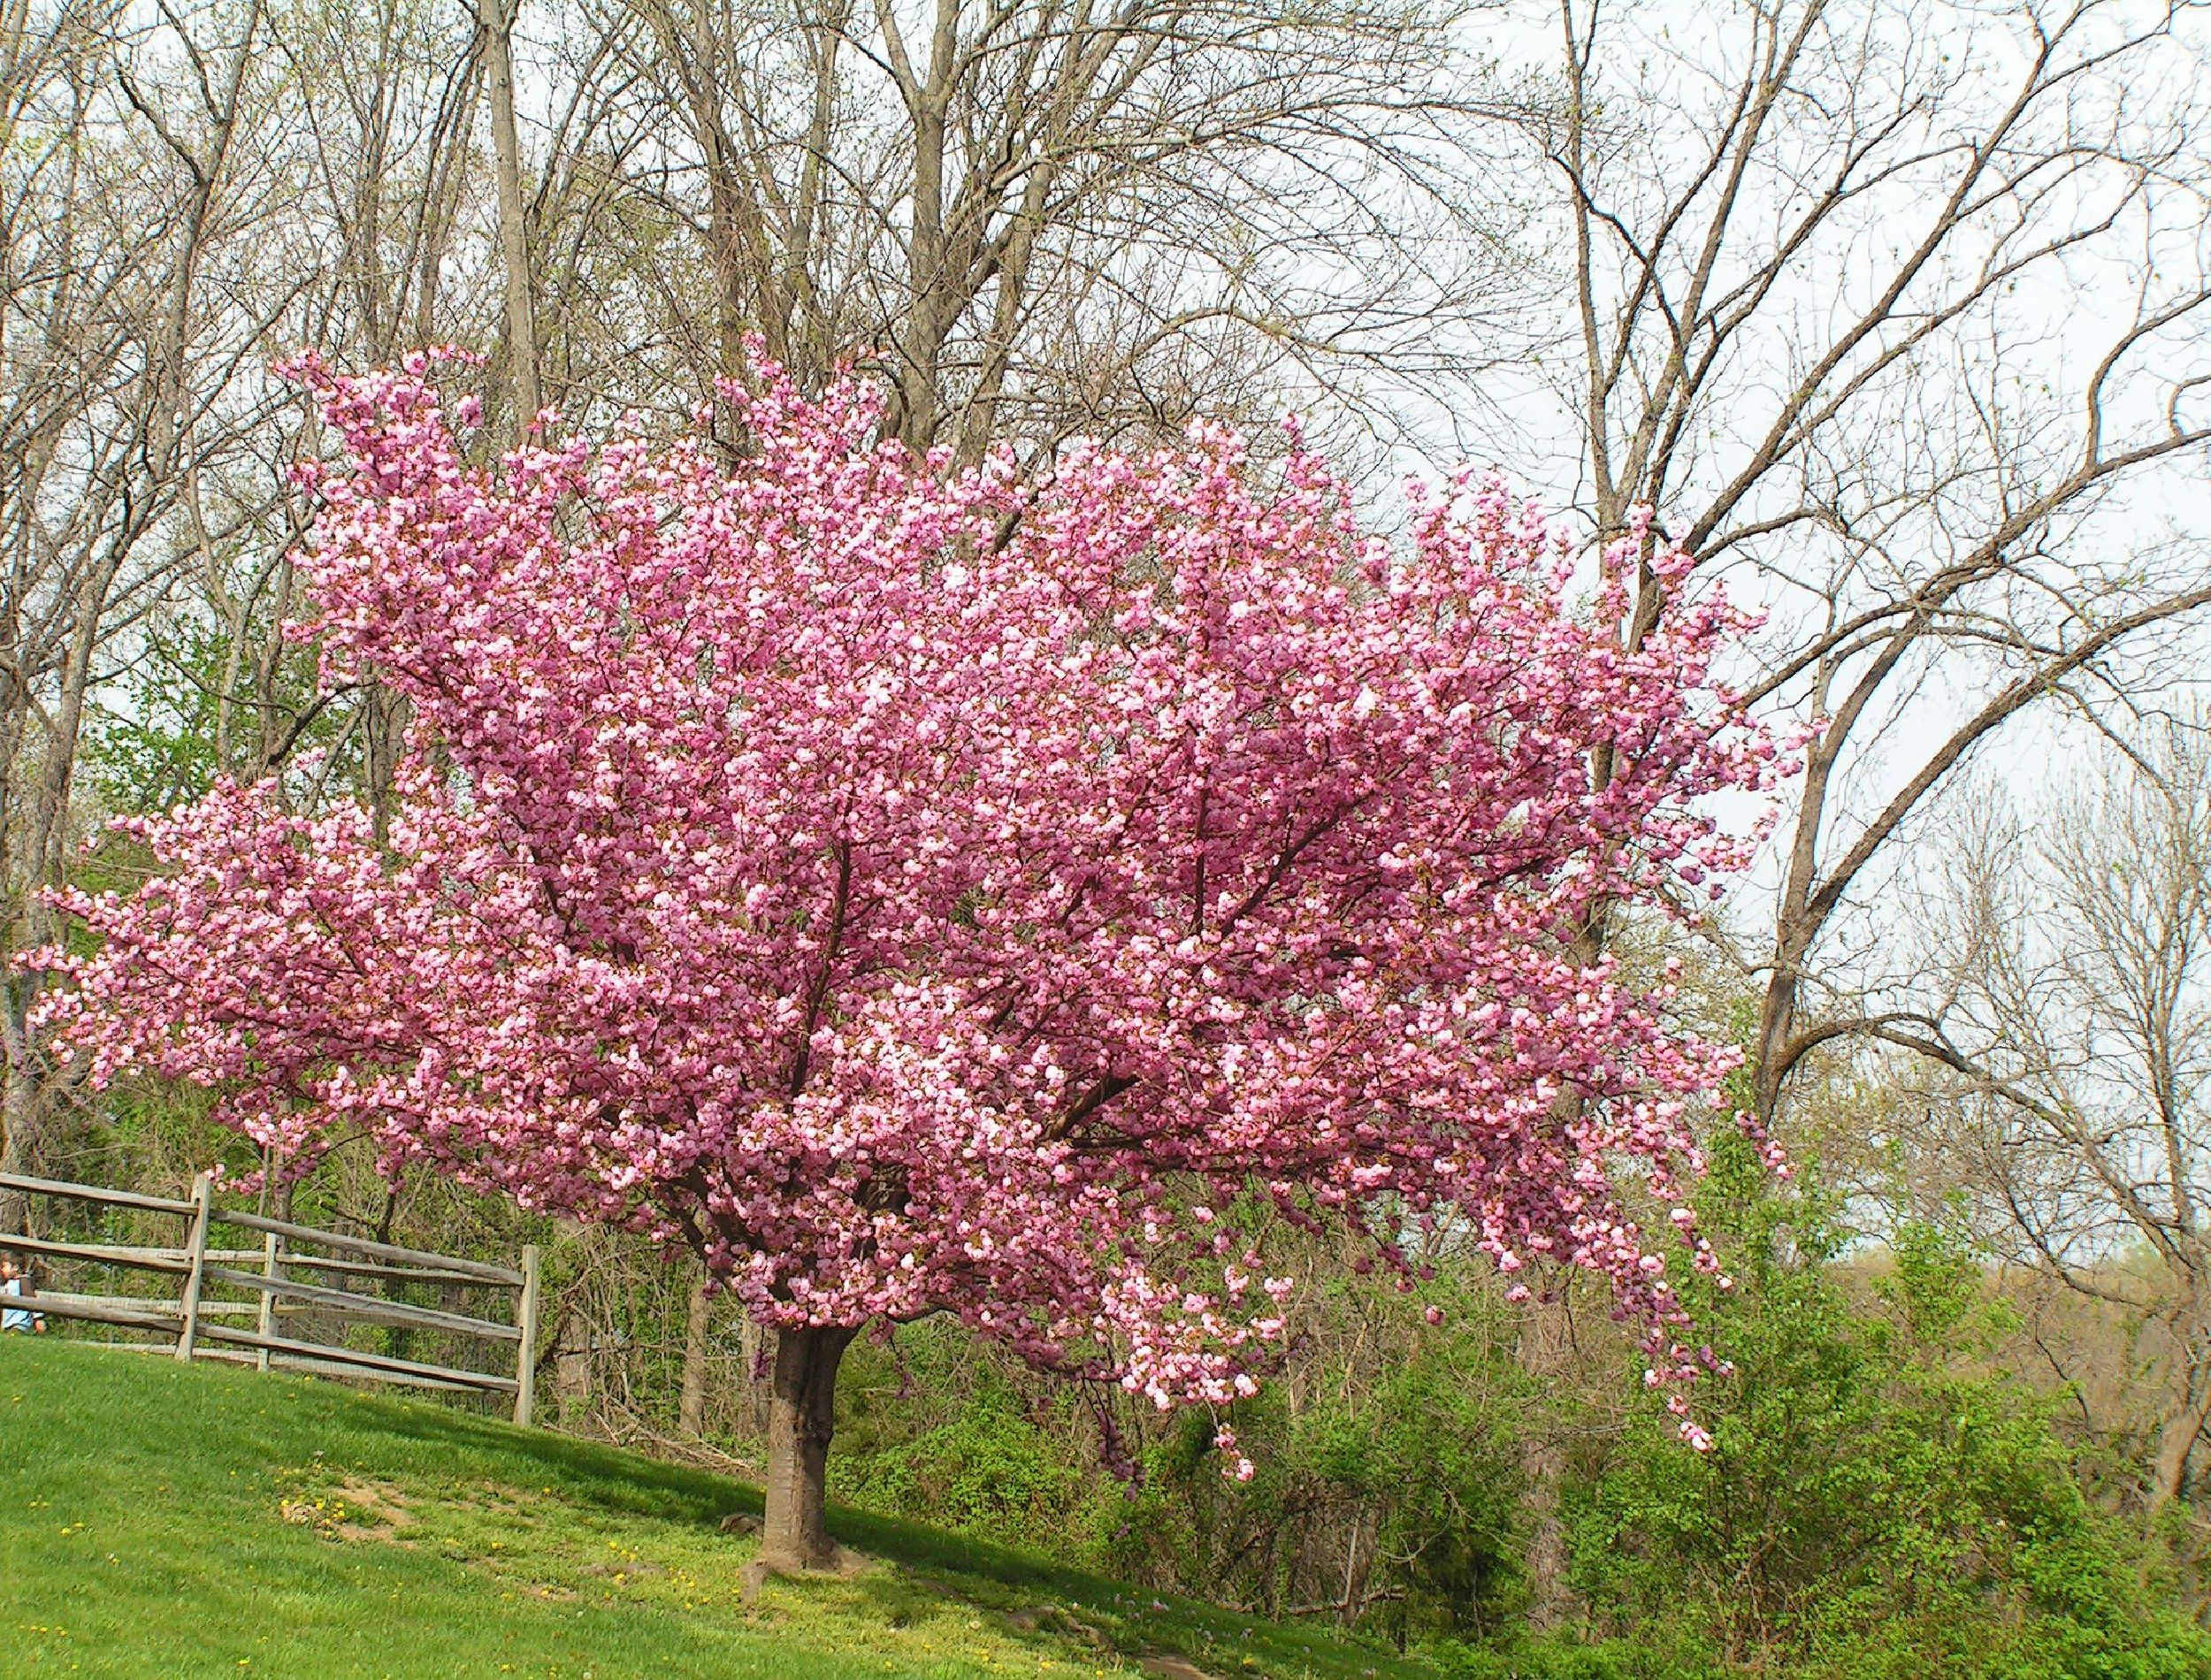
163 1520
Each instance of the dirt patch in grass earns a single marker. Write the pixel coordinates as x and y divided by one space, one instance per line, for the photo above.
355 1509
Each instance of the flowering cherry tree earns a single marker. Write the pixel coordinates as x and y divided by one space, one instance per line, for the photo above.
918 892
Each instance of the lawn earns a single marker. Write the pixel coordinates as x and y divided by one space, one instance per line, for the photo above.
164 1519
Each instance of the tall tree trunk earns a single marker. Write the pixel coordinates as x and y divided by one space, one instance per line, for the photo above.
691 1415
2187 1415
802 1419
22 1104
497 18
27 1105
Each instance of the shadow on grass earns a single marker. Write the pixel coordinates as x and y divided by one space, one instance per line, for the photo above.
1035 1600
130 1418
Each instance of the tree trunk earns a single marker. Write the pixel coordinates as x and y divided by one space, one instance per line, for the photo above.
2187 1415
801 1419
751 1392
497 18
22 1105
691 1415
2168 1477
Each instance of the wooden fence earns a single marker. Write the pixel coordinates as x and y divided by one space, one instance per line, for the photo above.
195 1320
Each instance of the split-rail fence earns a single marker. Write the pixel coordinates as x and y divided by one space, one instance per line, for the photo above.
196 1319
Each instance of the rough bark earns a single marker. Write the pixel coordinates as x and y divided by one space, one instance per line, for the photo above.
22 1105
691 1412
801 1420
2187 1414
497 18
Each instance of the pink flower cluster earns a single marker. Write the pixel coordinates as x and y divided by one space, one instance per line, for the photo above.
923 893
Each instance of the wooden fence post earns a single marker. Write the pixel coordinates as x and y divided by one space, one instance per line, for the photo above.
270 1246
203 1195
526 1360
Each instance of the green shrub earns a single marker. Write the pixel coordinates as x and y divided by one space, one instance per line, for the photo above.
1878 1502
939 1430
1398 1485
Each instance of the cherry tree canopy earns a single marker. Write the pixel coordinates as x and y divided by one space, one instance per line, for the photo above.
918 891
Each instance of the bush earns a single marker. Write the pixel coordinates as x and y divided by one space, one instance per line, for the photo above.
981 1451
1389 1487
1878 1502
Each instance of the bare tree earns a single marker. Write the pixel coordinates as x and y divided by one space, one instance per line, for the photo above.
1894 311
125 185
1040 217
2079 1033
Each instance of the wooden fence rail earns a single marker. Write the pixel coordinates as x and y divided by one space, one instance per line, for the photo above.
193 1319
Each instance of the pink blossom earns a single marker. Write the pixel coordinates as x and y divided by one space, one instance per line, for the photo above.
916 892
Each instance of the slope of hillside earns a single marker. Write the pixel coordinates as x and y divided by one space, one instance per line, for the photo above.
161 1520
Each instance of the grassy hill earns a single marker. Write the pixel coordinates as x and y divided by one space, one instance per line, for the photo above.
161 1520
